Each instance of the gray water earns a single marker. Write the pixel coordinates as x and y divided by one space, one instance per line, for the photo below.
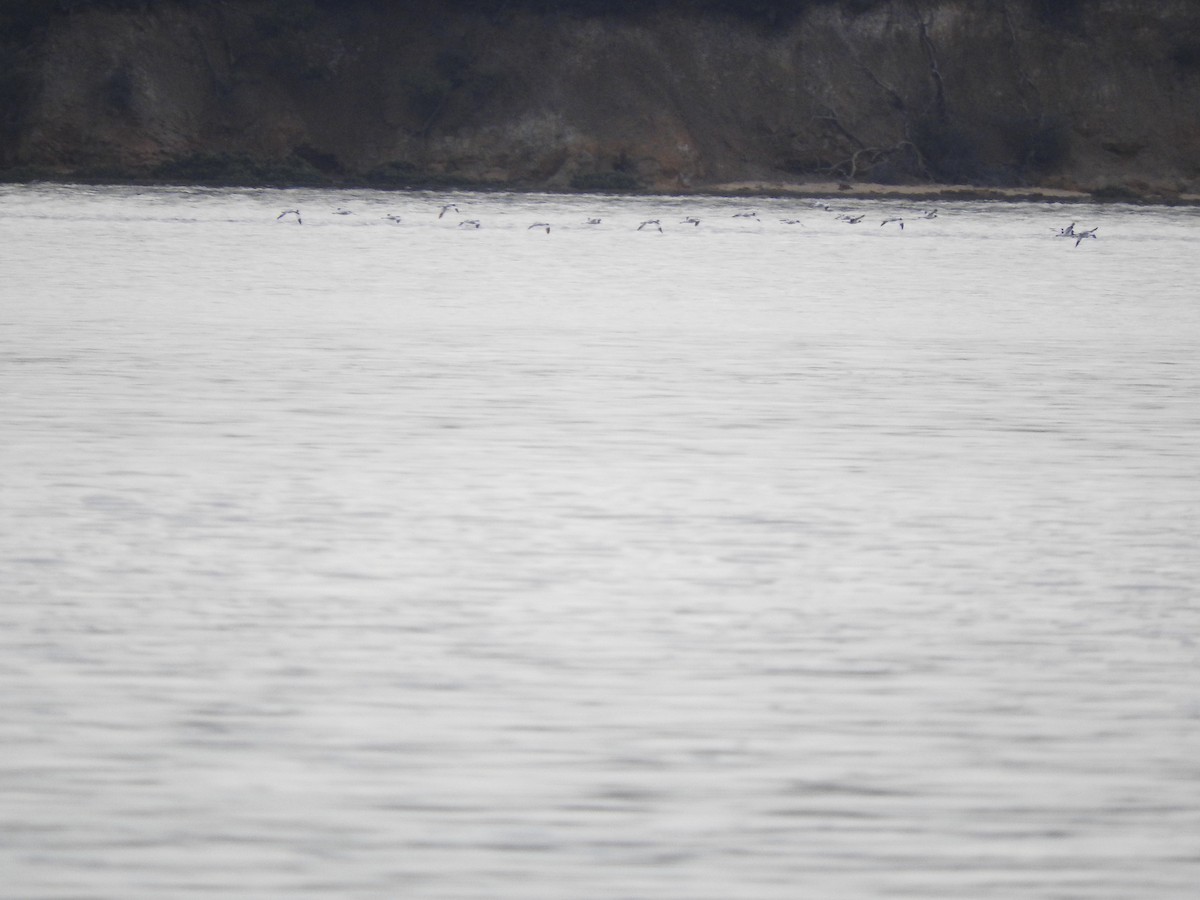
743 560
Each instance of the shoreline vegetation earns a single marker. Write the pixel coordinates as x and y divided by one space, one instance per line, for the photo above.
1057 100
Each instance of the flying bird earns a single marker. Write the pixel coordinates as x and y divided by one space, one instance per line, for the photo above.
1084 235
545 225
447 208
650 222
290 212
890 221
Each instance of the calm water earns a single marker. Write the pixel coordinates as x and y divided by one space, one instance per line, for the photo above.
743 560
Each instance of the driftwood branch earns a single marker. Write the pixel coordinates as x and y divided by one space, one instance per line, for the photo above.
864 159
833 120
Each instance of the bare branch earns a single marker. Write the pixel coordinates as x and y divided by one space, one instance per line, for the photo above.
939 86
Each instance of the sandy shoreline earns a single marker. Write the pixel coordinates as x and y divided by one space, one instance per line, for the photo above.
936 192
808 189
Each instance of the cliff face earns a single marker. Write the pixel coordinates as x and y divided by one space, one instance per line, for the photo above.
1103 95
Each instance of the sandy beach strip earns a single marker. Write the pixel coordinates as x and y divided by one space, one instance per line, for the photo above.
824 189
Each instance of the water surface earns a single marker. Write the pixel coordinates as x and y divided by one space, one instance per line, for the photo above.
748 559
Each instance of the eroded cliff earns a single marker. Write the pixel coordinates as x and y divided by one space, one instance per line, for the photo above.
1103 96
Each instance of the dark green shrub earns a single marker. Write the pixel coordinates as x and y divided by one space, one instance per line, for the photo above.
237 169
284 16
404 175
1066 15
393 174
605 182
1037 145
119 90
325 163
949 150
427 93
1187 56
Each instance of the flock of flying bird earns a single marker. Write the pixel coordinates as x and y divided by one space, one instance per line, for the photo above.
656 224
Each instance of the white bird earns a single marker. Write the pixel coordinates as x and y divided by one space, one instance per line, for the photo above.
469 223
392 217
791 221
851 220
650 222
290 212
342 211
545 225
930 214
689 220
447 208
593 222
890 221
1084 235
1069 231
746 215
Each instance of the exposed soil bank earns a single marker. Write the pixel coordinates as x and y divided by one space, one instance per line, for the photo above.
1103 100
